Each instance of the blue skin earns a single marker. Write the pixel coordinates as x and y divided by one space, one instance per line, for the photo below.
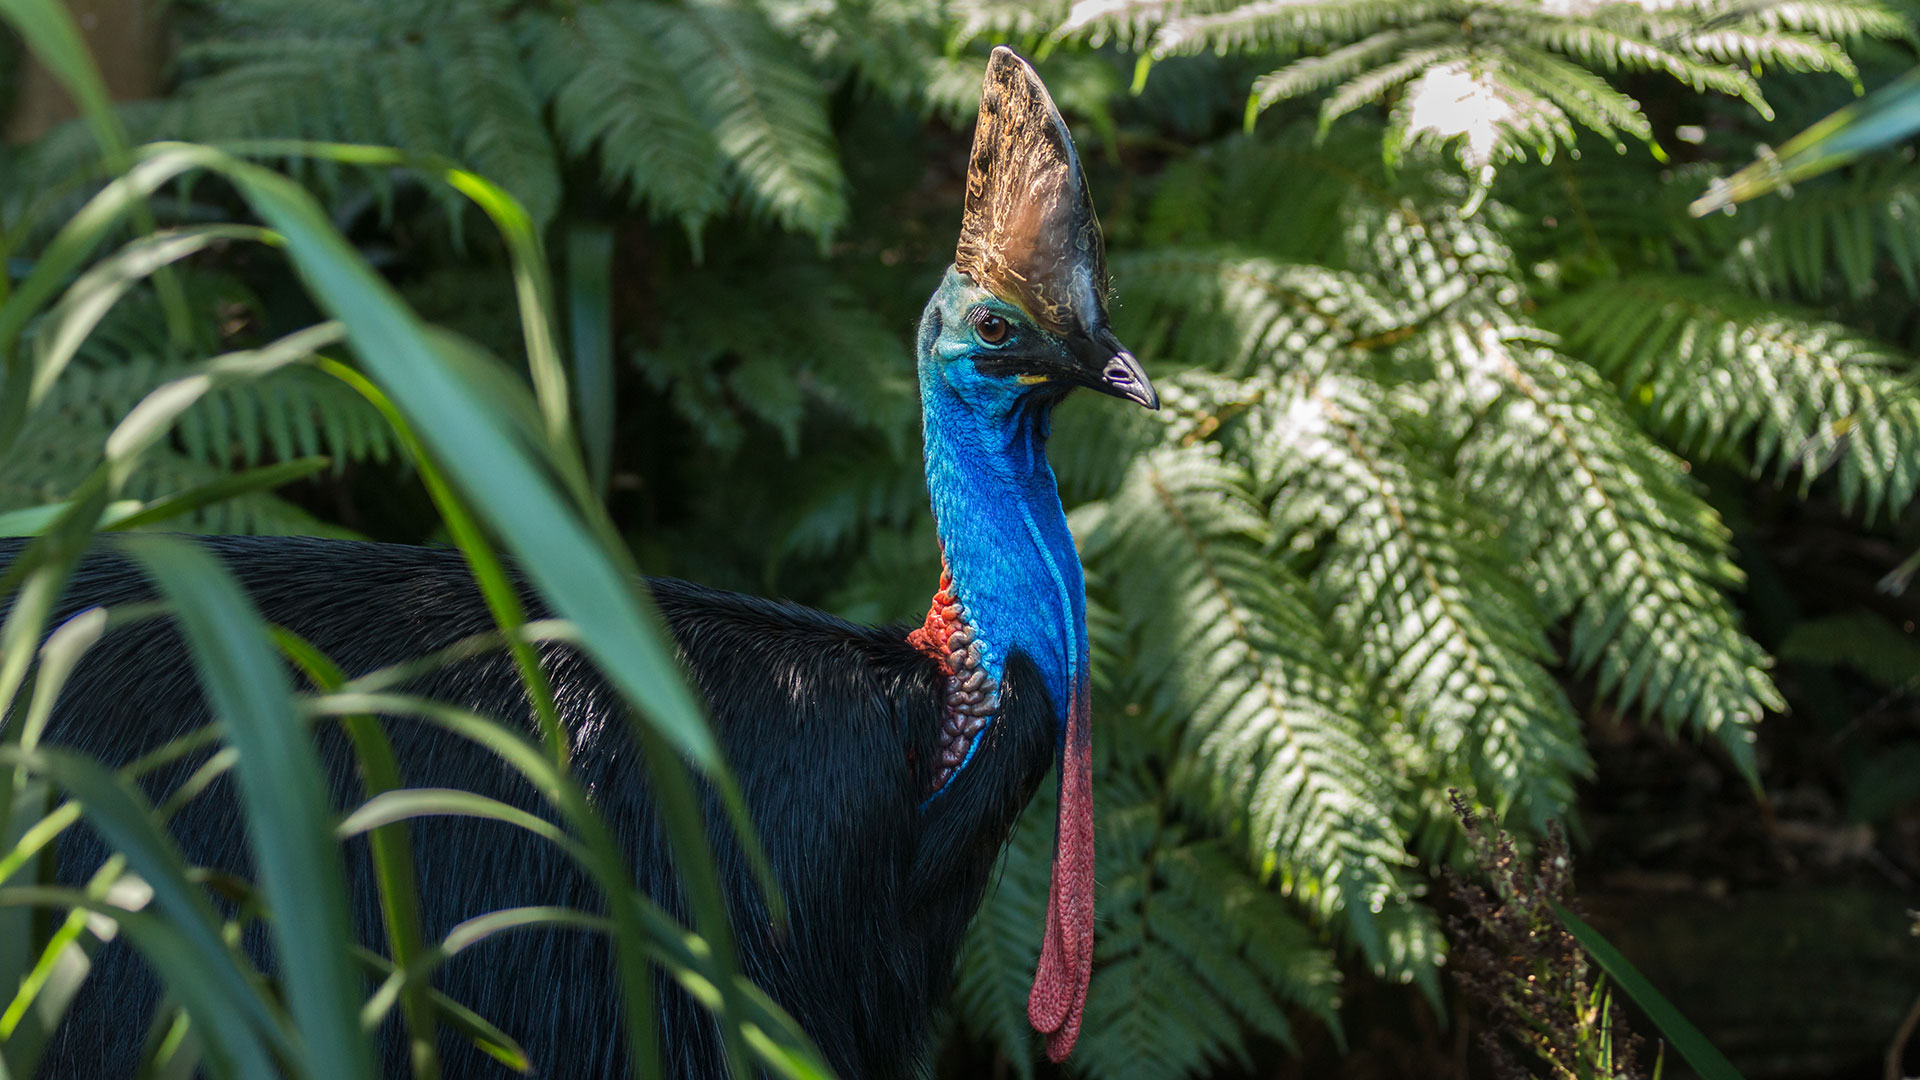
996 504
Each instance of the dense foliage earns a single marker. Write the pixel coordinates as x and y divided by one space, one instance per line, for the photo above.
1461 405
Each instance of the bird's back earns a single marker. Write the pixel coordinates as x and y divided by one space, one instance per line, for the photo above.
831 729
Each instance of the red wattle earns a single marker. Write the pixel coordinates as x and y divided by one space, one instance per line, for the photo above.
1059 998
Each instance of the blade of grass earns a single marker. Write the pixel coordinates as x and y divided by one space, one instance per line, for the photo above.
491 1040
48 989
1706 1060
34 520
590 320
287 810
404 804
179 504
242 1023
93 294
503 600
390 847
532 280
1884 117
598 854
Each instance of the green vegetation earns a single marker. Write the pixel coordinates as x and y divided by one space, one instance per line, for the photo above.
1466 416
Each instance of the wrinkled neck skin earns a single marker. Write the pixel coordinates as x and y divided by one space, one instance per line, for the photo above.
1014 570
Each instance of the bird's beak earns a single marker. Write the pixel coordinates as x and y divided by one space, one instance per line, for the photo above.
1107 366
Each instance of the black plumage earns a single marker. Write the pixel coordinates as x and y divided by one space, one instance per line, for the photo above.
831 729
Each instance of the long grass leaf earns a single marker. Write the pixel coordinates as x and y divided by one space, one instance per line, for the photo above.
1705 1058
288 815
590 320
239 1020
390 846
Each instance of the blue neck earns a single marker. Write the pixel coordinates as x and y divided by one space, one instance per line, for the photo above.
1004 536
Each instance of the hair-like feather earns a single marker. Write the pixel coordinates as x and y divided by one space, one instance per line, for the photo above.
831 729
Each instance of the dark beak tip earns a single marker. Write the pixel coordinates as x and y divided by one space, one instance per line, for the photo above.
1123 377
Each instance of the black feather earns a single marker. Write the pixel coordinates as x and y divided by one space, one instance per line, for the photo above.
831 729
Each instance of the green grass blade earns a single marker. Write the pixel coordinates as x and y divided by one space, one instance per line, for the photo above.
51 35
404 804
503 600
34 520
532 280
495 1043
71 321
127 515
590 319
49 988
1706 1060
390 846
186 970
1887 116
288 817
241 1021
598 854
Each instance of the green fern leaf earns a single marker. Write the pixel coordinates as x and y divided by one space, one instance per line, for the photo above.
1235 659
1611 534
605 70
1731 377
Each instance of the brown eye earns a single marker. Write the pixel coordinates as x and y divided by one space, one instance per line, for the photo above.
991 328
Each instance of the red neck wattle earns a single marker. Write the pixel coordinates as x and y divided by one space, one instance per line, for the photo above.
1059 997
1058 1000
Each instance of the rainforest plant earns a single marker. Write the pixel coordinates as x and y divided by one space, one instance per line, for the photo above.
494 456
1463 409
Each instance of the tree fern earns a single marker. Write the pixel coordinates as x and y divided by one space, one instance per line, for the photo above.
1731 377
1611 534
1419 596
1501 81
1232 653
1192 954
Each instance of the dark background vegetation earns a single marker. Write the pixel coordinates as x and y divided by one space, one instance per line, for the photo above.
1484 466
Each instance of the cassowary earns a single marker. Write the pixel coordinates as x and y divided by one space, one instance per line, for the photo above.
883 768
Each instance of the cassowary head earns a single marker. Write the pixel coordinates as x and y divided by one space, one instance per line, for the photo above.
1019 320
1022 311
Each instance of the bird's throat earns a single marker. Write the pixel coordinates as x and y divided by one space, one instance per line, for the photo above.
1011 579
1012 583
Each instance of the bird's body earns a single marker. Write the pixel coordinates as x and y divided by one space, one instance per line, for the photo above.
880 890
883 768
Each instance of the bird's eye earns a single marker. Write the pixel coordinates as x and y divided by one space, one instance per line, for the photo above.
991 328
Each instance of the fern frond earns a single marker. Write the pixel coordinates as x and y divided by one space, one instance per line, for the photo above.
1730 377
1192 954
1285 24
1586 97
1418 593
810 339
1831 237
1319 72
1610 532
1232 654
1635 45
613 91
1237 314
1835 20
767 113
496 113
